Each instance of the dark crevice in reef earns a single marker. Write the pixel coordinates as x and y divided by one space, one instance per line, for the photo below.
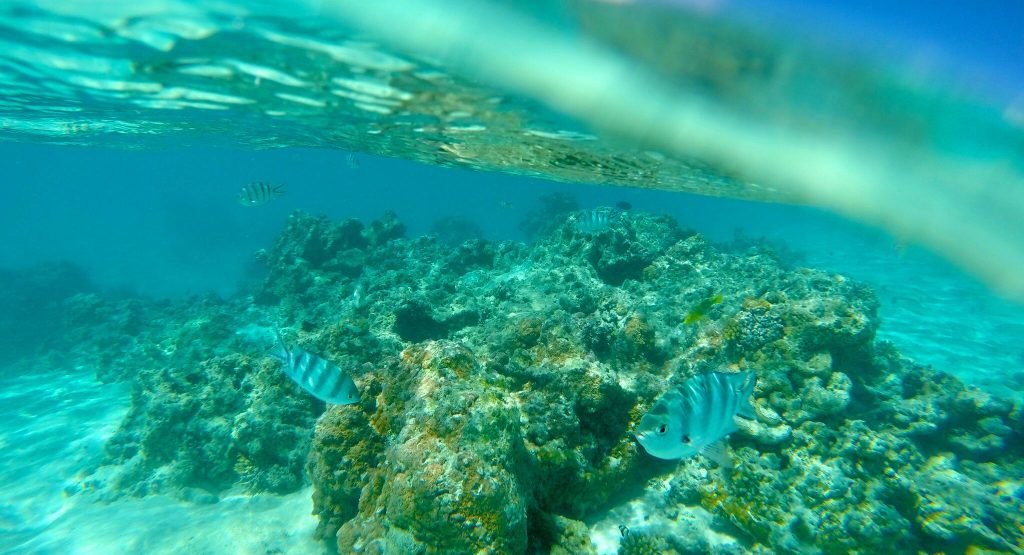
415 322
500 382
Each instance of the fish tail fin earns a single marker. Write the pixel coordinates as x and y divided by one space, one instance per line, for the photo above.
745 409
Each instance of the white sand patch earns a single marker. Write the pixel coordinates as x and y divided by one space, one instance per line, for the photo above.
160 524
53 425
653 513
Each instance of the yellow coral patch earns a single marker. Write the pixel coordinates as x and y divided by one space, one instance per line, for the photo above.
752 304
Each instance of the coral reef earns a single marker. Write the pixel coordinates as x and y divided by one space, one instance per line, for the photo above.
226 421
452 478
500 383
578 335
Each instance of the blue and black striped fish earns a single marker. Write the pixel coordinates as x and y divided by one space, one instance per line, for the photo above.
313 373
594 221
694 418
255 194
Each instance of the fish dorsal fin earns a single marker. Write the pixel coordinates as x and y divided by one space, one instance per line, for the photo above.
668 404
672 397
718 452
694 391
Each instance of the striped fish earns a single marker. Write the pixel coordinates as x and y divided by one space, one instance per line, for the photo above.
320 378
593 221
255 194
693 418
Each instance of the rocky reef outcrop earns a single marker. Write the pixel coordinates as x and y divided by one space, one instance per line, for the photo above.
500 382
506 379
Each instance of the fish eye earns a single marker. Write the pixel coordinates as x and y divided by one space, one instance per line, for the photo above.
661 429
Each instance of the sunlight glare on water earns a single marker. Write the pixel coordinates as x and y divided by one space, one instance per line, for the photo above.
969 208
783 121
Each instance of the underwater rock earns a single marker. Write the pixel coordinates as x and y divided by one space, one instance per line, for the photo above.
970 521
819 364
569 537
639 543
415 321
345 448
826 463
835 323
764 434
212 427
317 241
500 383
824 399
470 255
313 252
450 480
752 328
387 228
629 246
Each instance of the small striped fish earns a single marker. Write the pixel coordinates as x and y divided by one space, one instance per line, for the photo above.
693 418
255 194
593 221
320 378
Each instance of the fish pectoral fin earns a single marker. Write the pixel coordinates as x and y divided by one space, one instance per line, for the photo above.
718 452
746 410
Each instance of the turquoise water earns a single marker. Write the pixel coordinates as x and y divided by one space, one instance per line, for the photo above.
859 213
